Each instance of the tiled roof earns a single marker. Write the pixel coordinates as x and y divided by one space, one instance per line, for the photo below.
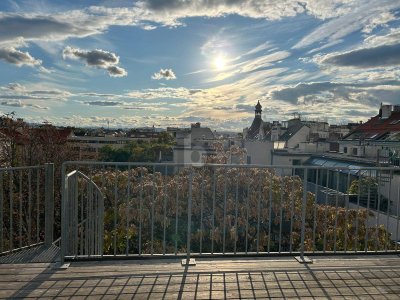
291 131
376 128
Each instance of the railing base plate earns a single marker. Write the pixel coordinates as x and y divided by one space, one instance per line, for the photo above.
190 262
62 266
304 259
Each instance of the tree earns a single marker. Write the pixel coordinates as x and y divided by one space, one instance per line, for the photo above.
242 209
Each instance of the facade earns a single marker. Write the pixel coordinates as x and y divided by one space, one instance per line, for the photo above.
377 139
192 144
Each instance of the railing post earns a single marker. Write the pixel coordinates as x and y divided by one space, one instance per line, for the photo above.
303 259
188 261
64 195
49 204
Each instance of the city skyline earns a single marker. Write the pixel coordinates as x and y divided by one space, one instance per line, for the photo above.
171 63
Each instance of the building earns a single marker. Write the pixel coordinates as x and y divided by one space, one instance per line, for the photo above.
257 139
259 130
377 139
87 143
192 144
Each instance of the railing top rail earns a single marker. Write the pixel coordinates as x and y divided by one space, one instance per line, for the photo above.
21 168
77 172
198 165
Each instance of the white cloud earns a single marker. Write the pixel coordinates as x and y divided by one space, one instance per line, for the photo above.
357 16
166 74
18 58
97 58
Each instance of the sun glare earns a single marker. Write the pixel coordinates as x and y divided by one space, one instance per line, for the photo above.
219 62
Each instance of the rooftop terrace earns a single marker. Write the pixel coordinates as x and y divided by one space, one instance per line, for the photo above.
367 277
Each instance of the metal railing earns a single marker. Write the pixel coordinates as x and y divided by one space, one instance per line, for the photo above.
26 207
83 216
203 210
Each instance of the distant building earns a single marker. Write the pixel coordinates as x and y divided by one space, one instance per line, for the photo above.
192 144
377 139
259 130
88 143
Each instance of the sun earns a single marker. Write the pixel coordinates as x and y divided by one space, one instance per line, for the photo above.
219 62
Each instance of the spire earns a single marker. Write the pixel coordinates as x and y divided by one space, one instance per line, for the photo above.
258 109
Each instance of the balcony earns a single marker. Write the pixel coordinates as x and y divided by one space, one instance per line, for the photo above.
199 231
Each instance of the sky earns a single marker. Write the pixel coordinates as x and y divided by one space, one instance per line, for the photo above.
174 62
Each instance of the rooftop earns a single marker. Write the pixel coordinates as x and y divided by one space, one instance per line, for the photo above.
367 277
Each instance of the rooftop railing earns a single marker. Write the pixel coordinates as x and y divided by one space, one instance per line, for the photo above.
146 210
26 207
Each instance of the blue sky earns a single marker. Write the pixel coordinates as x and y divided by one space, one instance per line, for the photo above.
173 62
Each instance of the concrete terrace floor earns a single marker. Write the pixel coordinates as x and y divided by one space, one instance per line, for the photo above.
348 277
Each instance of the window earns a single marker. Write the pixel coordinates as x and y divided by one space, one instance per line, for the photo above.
344 149
355 151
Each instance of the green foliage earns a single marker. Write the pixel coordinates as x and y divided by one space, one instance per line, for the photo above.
138 151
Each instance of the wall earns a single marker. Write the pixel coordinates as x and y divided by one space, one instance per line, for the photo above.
259 152
298 137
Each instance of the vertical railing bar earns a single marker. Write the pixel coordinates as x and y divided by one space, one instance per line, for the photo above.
201 215
366 221
164 180
101 224
128 209
11 210
336 210
103 185
346 216
115 209
176 214
326 211
37 204
224 218
213 214
378 209
388 207
20 209
303 214
236 212
29 206
87 225
140 211
398 215
64 191
76 214
270 211
189 220
281 212
72 208
247 212
315 210
258 212
1 213
152 210
356 242
82 232
291 214
49 204
91 218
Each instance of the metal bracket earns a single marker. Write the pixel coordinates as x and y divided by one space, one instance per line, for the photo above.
62 266
188 262
304 259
